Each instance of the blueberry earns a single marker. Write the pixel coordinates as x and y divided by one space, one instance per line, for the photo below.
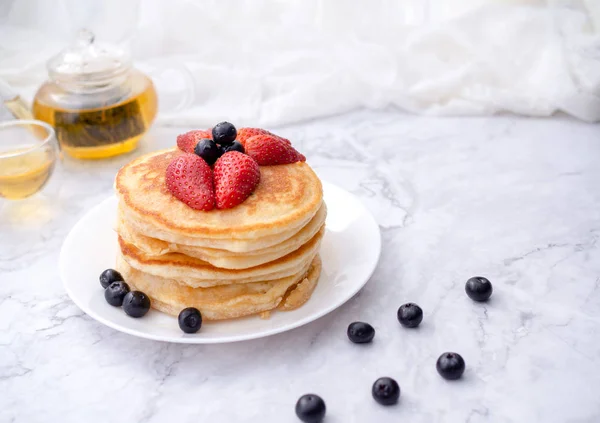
136 304
236 146
386 391
224 133
109 276
310 408
479 288
208 150
190 320
360 332
450 366
410 315
115 293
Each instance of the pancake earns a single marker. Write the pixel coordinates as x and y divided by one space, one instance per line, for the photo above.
228 301
199 273
232 245
223 258
286 199
300 293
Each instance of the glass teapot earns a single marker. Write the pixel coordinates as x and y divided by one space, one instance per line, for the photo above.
99 105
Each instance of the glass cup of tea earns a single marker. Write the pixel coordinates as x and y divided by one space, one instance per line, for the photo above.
28 152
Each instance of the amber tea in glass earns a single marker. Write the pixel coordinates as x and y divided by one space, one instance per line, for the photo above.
28 151
98 104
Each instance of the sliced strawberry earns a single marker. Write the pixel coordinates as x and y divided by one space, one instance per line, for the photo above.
245 133
270 150
190 180
187 142
236 177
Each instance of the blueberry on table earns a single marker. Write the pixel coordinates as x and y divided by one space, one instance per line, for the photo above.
360 332
109 276
208 150
224 133
450 366
479 289
310 408
236 146
190 320
386 391
136 304
115 293
410 315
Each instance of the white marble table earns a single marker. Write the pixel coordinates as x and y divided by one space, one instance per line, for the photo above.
513 199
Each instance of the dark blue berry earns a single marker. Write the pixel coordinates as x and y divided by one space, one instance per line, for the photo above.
115 293
208 150
450 365
190 320
386 391
360 332
410 315
236 146
310 408
479 288
224 133
136 304
109 276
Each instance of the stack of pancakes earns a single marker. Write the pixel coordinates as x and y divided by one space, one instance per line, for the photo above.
253 258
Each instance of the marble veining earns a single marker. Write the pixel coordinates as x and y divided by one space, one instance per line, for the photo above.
513 199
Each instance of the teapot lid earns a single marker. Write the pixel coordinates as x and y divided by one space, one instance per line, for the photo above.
88 63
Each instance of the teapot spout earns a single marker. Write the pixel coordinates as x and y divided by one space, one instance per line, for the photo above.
13 102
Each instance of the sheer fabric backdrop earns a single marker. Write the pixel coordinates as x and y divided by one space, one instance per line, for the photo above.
269 62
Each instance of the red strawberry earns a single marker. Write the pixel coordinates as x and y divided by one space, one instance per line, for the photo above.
236 177
187 142
245 133
190 180
271 150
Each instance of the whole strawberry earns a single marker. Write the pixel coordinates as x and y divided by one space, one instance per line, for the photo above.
236 177
190 179
187 142
270 150
245 133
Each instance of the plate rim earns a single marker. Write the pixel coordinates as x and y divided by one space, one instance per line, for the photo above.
193 338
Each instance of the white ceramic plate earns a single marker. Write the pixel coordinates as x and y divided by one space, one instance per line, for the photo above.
349 251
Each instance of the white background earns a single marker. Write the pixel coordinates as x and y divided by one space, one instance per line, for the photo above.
272 62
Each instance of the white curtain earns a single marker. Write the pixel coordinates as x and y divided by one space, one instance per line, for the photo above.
269 62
